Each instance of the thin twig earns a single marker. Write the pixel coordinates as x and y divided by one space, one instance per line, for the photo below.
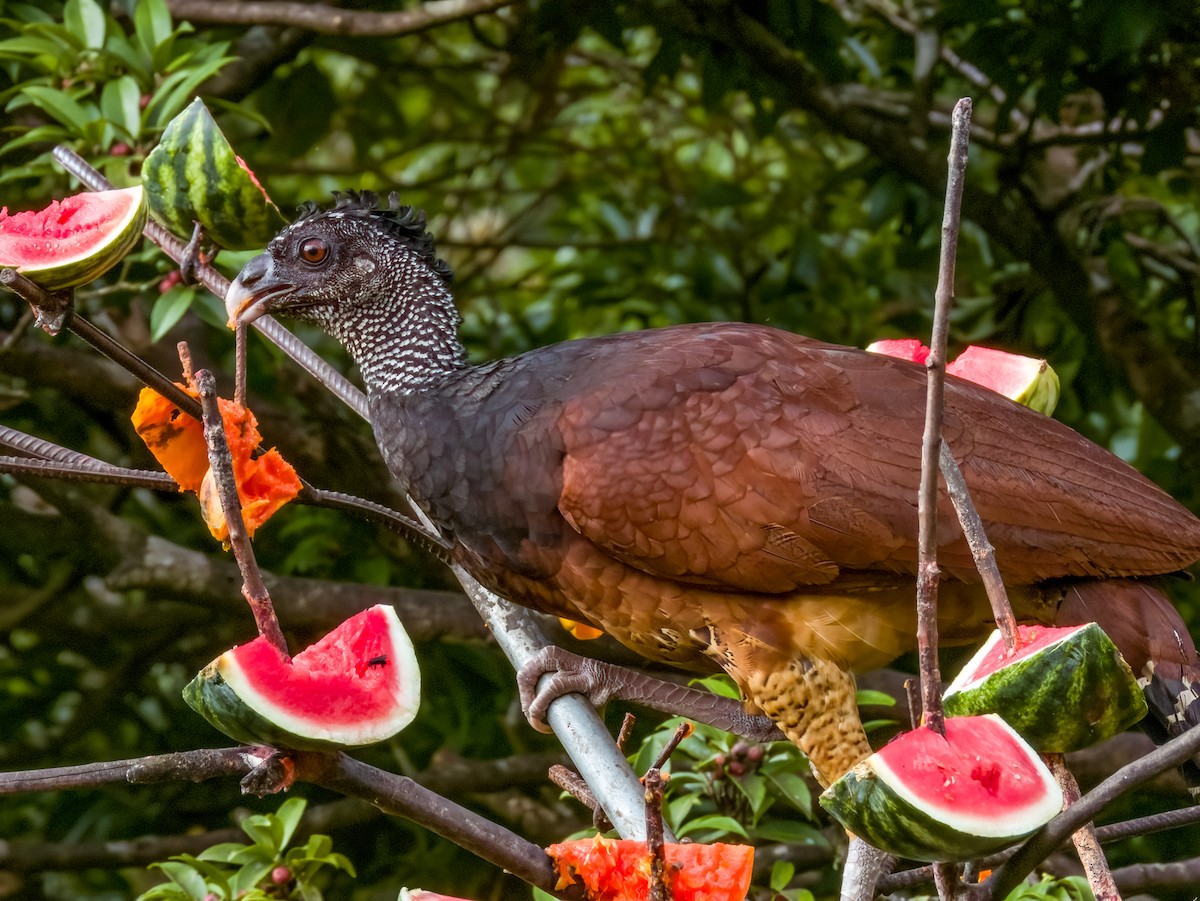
54 461
682 731
1044 842
574 785
627 723
927 569
239 365
660 889
221 464
981 549
1095 865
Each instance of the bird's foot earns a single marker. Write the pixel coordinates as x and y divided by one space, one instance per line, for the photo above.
602 682
553 672
193 256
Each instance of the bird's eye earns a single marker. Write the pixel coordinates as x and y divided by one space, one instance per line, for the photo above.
313 251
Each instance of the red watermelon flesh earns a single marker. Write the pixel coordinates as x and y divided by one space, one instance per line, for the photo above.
619 869
902 348
357 685
970 776
1029 640
75 239
332 680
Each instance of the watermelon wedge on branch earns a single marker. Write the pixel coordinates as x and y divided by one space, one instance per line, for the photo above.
1062 688
358 685
74 240
925 796
193 175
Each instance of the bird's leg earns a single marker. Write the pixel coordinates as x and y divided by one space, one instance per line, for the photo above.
814 702
193 257
602 682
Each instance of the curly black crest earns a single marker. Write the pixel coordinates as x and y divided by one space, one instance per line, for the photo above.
404 223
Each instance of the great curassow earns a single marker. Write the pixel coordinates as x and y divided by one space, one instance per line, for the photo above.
724 493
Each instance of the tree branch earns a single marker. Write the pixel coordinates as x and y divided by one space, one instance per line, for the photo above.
1049 837
326 19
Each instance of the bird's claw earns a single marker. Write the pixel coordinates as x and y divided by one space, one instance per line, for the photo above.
553 672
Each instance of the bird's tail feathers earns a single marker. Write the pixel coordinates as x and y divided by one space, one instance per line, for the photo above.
1149 633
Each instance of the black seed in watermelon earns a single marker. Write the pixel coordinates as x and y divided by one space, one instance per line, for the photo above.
73 240
193 175
1062 688
925 796
334 694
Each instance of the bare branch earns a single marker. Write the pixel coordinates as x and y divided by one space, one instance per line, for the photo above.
1054 833
326 19
1087 845
221 465
927 574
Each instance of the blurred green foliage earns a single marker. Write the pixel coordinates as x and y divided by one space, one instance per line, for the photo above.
589 167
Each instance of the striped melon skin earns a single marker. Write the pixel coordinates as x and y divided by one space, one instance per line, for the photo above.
358 685
193 175
924 797
1063 696
74 240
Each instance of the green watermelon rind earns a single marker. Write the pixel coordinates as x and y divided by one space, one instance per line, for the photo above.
223 693
194 172
1066 696
871 802
118 239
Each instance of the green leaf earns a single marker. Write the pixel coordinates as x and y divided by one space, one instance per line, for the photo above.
719 685
249 876
168 310
221 853
790 832
186 878
86 21
25 46
877 698
120 104
289 815
122 54
61 106
794 790
151 24
754 787
781 874
42 134
717 822
172 95
266 832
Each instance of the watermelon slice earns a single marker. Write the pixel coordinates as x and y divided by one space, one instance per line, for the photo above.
1027 380
924 796
73 240
619 869
357 685
1062 688
193 175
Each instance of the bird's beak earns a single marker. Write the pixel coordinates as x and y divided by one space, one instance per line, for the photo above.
255 292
